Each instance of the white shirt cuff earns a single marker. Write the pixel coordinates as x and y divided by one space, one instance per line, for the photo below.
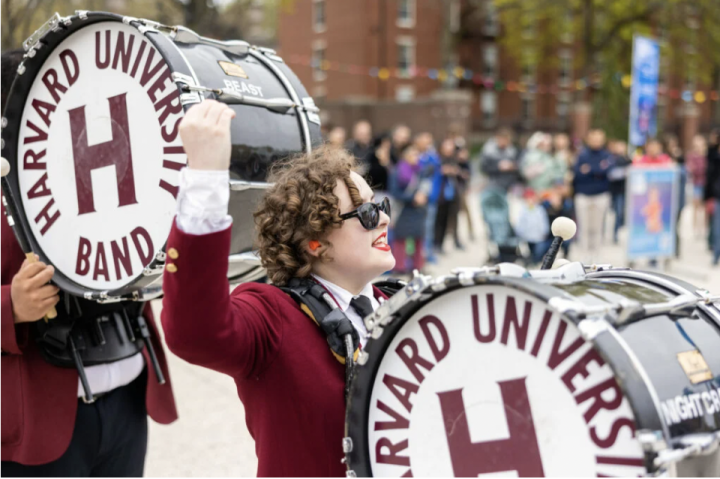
202 202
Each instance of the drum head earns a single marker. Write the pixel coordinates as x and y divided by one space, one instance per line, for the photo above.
93 134
484 380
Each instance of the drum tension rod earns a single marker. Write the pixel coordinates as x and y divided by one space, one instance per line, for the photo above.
226 95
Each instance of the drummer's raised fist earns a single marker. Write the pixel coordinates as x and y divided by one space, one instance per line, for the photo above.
31 294
205 133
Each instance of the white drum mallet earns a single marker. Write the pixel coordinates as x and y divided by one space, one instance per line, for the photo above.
563 229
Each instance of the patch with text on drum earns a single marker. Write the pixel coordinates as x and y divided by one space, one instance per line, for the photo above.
487 380
99 155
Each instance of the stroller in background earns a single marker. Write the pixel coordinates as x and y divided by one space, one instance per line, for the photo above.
504 246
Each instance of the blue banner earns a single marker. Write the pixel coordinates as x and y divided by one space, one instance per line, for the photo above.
644 90
652 203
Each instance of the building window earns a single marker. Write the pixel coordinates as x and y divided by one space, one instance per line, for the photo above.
565 75
404 93
490 61
562 106
319 15
318 58
488 106
529 72
406 13
491 22
406 55
528 108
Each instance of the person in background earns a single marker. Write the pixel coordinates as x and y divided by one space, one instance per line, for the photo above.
336 136
532 225
540 169
409 187
379 163
653 154
672 147
449 198
431 166
562 150
401 136
617 177
592 192
361 143
556 203
712 193
499 161
696 161
464 177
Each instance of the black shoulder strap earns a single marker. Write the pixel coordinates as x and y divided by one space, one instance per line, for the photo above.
334 323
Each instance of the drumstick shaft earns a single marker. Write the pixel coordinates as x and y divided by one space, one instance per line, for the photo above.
552 253
11 213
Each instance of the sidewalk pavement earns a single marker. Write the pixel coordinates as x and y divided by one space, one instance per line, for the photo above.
210 439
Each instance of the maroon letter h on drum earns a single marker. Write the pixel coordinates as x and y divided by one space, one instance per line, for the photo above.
519 452
114 152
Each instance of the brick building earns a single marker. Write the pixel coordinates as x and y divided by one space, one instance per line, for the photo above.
338 41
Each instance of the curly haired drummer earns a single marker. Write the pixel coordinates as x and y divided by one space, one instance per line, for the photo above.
319 221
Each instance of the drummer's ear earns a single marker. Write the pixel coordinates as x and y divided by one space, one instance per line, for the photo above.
314 247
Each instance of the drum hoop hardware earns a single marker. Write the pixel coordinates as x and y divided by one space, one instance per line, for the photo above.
226 95
243 185
705 299
34 42
690 445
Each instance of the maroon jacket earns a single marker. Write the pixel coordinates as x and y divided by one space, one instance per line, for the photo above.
39 400
287 378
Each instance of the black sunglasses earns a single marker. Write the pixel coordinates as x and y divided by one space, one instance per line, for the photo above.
369 213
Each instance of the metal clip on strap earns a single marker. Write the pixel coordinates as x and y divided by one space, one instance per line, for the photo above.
145 333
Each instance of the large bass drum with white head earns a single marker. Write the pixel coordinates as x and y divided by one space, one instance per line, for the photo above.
91 132
567 372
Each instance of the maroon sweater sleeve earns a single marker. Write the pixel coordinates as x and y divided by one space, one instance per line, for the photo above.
238 335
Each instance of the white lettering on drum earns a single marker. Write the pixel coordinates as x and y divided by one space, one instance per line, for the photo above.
686 407
244 87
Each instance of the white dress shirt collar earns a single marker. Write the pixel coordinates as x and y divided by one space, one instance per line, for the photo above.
343 296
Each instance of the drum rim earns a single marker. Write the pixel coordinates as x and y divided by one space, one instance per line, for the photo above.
17 98
356 424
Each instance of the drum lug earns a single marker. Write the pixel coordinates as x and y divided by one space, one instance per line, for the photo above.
33 41
687 446
350 473
592 328
347 444
82 14
651 441
157 270
185 35
363 357
161 256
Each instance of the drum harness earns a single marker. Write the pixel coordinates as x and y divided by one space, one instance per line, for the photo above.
342 337
87 334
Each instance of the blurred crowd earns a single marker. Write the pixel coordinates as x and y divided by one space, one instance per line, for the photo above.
525 187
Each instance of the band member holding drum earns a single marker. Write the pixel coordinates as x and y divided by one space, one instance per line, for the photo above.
318 221
50 427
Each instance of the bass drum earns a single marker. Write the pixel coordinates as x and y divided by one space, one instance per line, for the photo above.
91 133
543 373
